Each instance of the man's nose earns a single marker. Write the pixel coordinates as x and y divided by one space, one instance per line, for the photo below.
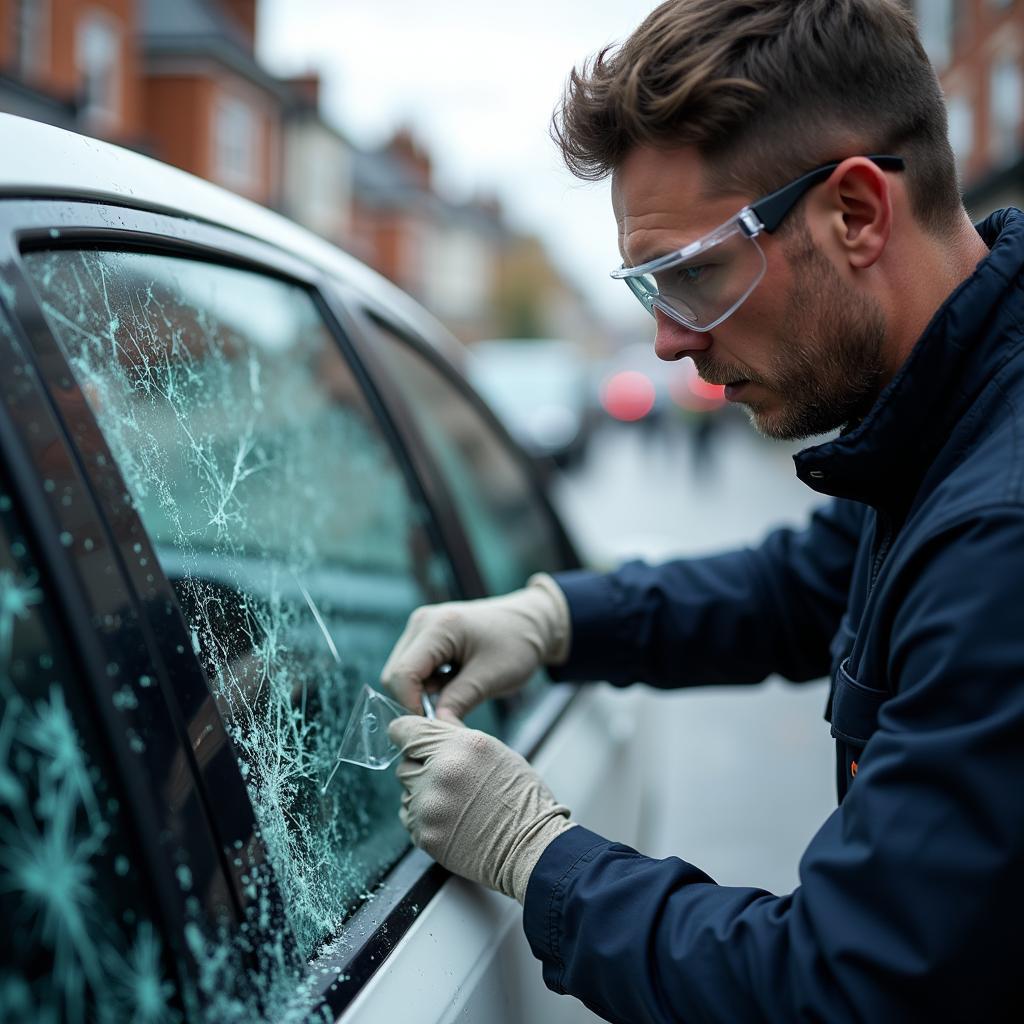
673 340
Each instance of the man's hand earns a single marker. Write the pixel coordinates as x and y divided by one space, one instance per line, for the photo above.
497 643
475 806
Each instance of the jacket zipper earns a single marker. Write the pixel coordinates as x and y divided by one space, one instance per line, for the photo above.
882 551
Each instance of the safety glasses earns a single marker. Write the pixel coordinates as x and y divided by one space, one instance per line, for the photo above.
705 282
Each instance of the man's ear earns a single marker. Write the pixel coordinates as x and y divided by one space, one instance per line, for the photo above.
859 202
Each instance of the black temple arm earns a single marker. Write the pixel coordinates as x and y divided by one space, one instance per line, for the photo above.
773 208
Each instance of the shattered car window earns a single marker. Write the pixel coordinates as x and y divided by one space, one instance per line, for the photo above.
78 941
282 518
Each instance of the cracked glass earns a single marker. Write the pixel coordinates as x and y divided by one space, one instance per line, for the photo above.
293 540
78 942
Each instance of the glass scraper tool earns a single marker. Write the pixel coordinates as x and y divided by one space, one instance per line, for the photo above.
366 742
428 698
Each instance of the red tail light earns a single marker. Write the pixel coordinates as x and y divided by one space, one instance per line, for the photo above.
628 395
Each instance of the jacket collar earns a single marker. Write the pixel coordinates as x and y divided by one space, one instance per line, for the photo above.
882 460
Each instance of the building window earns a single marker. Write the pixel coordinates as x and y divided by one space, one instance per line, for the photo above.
937 24
98 56
235 143
1006 109
32 36
961 129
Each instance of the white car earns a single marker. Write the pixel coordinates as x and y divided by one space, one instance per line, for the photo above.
232 461
540 388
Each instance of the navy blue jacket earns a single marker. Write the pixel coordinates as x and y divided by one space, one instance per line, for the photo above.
908 590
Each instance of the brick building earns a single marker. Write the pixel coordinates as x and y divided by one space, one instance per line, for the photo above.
445 254
977 47
179 80
317 166
211 108
73 63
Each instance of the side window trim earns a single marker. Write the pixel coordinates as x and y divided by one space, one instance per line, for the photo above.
419 474
566 548
352 312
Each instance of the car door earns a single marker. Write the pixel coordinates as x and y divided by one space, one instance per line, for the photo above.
277 543
257 503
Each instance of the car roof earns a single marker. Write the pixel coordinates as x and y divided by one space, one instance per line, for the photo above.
41 160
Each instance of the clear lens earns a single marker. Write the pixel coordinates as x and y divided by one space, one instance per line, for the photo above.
700 292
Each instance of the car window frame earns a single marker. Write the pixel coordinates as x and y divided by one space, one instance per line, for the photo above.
370 316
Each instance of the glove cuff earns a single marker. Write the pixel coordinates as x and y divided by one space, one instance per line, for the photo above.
552 610
529 852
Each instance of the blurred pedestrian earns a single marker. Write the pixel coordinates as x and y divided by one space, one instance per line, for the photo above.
703 431
788 210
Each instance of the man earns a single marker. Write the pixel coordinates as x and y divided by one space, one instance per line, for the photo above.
788 210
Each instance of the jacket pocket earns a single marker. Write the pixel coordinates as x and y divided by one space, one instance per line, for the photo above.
839 651
854 718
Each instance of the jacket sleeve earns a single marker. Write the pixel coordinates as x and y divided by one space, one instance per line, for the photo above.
910 895
732 618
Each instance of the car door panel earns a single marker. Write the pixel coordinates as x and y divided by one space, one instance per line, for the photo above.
242 602
191 777
466 957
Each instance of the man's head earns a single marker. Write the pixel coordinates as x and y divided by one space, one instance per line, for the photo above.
712 104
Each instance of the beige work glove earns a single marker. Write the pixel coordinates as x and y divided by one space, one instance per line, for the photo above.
473 804
495 644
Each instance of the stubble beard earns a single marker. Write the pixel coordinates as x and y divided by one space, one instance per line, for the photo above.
828 367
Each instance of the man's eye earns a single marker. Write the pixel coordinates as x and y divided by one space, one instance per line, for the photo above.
694 274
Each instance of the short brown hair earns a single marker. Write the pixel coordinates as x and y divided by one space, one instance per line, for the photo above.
766 90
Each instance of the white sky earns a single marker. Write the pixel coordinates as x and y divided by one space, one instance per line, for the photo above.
477 83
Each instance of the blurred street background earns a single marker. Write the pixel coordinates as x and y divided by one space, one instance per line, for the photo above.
415 138
747 772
